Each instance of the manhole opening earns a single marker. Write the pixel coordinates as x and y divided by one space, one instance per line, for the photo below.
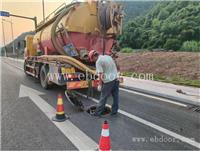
92 109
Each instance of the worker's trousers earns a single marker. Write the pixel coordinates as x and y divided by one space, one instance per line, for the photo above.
110 88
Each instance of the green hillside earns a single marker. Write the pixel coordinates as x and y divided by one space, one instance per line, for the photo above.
134 9
171 25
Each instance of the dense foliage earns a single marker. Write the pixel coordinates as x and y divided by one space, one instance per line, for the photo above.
171 25
134 9
191 45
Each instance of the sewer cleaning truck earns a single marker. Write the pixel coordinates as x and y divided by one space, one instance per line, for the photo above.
58 51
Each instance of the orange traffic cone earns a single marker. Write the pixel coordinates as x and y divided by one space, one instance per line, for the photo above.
104 143
60 114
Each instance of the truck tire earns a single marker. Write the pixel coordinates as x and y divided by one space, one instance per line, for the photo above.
44 80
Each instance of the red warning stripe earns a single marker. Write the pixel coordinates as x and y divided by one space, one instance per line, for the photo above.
105 126
60 108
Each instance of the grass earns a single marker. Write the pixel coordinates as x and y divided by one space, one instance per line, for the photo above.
130 50
174 80
127 50
178 81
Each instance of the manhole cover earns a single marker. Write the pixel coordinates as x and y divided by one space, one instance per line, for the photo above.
92 109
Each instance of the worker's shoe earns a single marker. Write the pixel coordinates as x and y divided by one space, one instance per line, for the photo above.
113 113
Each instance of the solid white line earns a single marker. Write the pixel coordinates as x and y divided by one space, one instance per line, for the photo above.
73 133
154 126
16 59
14 66
138 93
69 129
154 97
146 95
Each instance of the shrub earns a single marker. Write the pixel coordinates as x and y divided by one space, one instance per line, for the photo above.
127 50
193 46
173 44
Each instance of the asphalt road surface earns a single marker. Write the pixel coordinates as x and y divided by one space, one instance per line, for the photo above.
143 123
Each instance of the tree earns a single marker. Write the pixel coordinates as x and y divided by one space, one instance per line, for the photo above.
191 46
173 44
167 25
163 14
187 34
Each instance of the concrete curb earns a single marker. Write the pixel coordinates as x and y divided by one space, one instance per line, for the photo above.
173 98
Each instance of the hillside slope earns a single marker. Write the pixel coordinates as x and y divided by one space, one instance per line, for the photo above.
175 67
167 25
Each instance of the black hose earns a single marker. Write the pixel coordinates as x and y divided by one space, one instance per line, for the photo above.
56 44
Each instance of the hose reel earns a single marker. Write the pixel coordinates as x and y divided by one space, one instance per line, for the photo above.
56 44
110 15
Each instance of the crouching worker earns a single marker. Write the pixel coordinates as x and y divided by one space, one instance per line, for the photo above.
108 84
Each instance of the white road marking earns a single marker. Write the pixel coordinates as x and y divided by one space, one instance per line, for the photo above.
73 133
154 97
14 66
130 91
68 128
16 59
154 126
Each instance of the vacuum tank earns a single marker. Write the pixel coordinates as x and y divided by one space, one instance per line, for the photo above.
80 27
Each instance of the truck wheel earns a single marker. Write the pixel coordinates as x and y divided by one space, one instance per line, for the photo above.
44 80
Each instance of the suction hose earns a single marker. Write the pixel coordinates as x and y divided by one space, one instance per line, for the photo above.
67 59
56 44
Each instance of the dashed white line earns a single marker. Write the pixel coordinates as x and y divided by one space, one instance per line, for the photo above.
152 125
